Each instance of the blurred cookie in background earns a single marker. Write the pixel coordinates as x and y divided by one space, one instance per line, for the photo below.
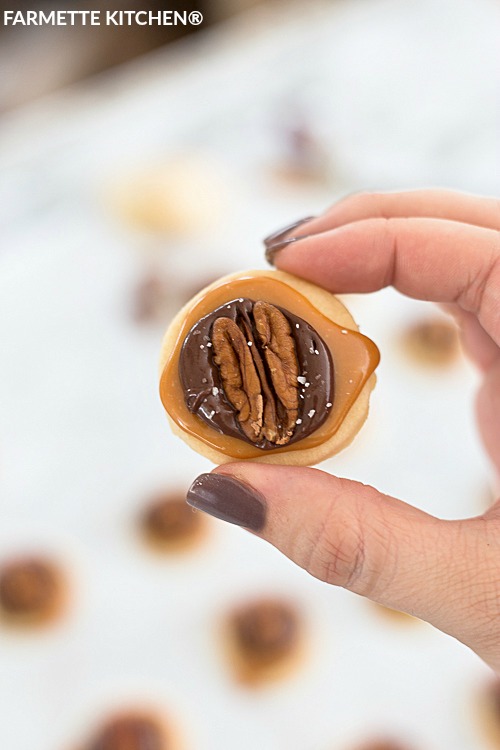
132 730
32 591
488 494
431 342
169 525
393 615
301 156
152 299
489 711
264 640
156 297
195 284
181 196
382 744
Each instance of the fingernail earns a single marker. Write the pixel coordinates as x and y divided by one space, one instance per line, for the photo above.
229 499
272 250
281 233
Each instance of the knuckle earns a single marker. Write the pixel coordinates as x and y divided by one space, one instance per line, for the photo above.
475 291
338 553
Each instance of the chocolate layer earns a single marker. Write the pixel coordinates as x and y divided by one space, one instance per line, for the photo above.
203 387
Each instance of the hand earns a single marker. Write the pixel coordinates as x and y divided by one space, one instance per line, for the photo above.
430 245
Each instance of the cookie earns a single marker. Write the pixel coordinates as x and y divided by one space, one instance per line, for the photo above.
264 640
264 366
382 744
31 591
432 342
168 524
179 196
489 711
394 615
131 730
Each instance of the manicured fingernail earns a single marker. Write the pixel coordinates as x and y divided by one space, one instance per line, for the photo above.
229 499
281 233
272 250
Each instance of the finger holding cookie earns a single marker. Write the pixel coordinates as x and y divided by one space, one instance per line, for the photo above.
430 245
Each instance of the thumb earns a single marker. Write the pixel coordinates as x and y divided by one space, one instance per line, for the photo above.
350 535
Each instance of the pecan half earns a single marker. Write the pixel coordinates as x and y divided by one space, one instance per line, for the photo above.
257 358
241 382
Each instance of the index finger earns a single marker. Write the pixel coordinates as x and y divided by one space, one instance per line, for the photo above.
430 203
424 258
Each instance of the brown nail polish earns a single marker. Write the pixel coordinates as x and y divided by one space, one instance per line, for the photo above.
229 499
272 250
281 233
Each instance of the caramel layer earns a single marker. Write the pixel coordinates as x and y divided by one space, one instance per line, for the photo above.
354 357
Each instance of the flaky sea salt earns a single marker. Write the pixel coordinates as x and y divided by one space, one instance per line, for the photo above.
299 421
311 413
301 379
215 391
328 405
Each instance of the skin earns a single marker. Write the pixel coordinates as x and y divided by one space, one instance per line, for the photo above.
432 245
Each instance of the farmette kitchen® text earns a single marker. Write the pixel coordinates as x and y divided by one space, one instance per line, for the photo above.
97 18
